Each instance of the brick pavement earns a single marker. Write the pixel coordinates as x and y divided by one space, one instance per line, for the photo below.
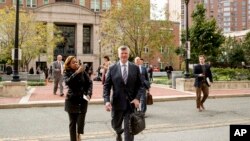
44 94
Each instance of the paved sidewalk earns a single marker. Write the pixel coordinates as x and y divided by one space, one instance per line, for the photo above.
43 95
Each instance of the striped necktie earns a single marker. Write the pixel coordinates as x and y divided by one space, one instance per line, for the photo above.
125 74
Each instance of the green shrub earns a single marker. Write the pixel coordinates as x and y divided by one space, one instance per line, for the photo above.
36 83
227 74
161 80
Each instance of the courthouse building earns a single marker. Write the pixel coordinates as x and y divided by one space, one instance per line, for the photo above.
79 21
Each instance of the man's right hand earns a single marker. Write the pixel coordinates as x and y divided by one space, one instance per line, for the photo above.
108 106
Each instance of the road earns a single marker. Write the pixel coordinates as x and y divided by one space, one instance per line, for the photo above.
172 121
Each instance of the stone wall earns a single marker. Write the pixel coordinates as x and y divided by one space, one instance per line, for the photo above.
13 89
188 84
24 76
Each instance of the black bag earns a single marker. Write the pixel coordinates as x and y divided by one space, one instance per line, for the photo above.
149 99
146 84
136 122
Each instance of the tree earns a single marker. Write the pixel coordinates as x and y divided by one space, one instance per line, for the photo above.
205 36
130 25
34 37
231 53
246 47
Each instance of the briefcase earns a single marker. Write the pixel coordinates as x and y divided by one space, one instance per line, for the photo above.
149 99
136 122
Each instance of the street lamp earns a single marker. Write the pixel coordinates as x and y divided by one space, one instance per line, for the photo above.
15 71
187 43
99 52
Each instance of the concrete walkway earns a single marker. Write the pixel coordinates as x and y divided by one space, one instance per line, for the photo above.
43 95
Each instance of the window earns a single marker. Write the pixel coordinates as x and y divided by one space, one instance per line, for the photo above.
31 3
82 2
244 18
20 2
226 14
106 4
145 49
67 47
226 4
244 24
227 24
2 1
227 9
243 3
45 1
86 47
95 5
226 19
227 29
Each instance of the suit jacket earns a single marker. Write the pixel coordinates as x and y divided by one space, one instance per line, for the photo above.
198 70
78 85
122 93
144 75
56 67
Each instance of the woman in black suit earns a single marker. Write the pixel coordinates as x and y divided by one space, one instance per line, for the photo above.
79 92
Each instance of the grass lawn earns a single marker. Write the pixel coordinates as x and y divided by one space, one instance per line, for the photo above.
162 80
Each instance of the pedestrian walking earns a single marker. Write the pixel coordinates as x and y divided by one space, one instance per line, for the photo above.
50 73
57 67
105 67
203 77
46 73
124 79
31 71
78 95
144 78
150 71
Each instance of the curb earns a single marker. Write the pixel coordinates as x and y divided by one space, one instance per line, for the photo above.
100 101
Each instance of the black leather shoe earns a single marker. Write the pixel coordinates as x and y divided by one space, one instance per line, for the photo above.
61 94
118 137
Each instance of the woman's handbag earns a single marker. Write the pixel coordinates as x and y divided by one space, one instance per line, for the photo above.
149 99
136 122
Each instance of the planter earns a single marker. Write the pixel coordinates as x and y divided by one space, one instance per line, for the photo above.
183 84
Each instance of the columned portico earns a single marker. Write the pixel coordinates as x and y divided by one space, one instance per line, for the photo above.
86 24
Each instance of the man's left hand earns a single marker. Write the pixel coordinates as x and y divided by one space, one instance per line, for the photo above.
136 103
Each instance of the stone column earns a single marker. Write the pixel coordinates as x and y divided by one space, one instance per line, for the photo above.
50 49
79 39
95 45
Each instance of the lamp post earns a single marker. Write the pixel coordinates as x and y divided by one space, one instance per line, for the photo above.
187 43
15 71
99 52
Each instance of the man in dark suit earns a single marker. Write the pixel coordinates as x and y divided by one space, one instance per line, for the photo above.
124 79
57 68
203 77
144 77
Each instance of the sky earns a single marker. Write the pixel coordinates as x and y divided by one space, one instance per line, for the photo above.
158 12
